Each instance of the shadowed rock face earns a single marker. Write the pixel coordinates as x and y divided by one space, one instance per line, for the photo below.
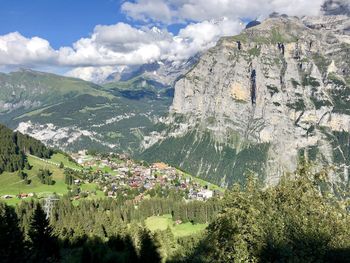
336 7
259 101
252 24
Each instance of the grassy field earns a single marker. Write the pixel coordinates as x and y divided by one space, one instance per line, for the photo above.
163 222
58 158
11 184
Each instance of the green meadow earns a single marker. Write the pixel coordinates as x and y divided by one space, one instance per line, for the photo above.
155 223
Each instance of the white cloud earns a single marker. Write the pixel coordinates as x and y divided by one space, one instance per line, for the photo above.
199 10
109 46
120 44
16 49
148 10
95 74
98 55
200 36
116 45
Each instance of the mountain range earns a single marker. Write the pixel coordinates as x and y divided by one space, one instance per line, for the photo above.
73 114
261 101
256 103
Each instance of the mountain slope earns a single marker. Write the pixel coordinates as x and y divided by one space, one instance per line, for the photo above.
260 101
31 89
72 114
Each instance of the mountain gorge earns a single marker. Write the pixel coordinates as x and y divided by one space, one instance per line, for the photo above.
261 101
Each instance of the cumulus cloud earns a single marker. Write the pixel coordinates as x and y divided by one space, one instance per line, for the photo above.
198 37
149 10
115 45
120 44
110 46
199 10
16 49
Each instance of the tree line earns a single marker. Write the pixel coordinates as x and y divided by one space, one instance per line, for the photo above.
13 149
294 221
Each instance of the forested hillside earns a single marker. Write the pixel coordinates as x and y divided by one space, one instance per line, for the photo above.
13 149
294 221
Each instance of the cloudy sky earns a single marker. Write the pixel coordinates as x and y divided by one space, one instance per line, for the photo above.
93 38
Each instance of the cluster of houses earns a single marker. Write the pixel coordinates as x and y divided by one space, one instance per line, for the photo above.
117 174
20 196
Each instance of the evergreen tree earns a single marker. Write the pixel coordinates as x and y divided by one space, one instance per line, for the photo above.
11 236
149 251
22 175
43 243
44 176
13 149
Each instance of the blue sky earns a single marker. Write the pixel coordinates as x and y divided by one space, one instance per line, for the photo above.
92 38
62 22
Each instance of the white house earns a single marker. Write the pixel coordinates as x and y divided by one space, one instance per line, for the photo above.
205 194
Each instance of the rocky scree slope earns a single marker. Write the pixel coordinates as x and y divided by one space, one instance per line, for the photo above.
258 102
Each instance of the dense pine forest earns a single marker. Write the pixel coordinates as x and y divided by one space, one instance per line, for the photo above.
13 149
294 221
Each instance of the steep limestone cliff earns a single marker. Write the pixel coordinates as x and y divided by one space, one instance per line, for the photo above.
259 101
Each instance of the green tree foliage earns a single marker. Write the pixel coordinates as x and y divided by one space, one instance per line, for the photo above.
294 221
12 158
14 146
24 176
43 243
32 146
44 176
11 237
69 176
149 251
116 249
291 222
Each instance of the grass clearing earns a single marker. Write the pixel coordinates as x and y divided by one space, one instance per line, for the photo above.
11 184
155 223
58 158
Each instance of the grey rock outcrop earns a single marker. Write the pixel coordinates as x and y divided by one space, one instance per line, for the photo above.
282 86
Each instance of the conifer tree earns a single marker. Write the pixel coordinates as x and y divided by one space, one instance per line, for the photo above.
11 236
149 251
43 243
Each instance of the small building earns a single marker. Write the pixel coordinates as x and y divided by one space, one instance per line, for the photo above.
77 181
160 166
205 194
22 195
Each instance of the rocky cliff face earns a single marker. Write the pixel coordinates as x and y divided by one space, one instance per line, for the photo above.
259 101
